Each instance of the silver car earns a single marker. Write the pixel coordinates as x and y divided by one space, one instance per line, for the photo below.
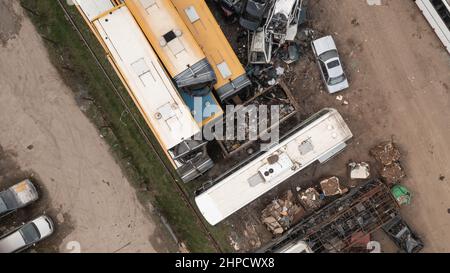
330 65
27 235
17 196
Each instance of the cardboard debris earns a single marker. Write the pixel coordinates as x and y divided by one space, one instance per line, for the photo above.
386 153
359 170
280 214
310 199
392 173
331 186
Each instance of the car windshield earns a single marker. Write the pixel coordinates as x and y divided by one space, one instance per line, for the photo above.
328 55
3 206
333 64
30 233
336 80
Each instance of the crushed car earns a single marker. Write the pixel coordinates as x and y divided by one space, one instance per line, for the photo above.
280 27
254 12
284 19
403 236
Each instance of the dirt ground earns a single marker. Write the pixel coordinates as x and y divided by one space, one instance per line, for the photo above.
44 135
399 88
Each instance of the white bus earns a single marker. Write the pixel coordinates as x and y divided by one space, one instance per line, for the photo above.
318 138
437 13
148 85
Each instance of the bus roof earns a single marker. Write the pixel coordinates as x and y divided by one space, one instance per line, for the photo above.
172 41
319 138
149 85
231 76
93 9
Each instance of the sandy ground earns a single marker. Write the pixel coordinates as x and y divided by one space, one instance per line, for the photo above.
46 134
399 87
400 78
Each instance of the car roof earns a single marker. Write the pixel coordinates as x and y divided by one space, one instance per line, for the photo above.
324 44
43 226
335 71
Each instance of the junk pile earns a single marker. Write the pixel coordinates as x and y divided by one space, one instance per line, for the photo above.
388 155
359 170
343 222
331 187
310 199
279 215
278 96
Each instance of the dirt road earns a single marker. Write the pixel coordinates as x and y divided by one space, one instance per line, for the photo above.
44 132
400 78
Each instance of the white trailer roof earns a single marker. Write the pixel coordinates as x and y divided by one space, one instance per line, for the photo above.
318 140
94 8
151 88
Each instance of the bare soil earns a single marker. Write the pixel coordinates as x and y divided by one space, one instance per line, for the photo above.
44 135
399 89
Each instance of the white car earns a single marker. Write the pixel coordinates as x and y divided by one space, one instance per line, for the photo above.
330 65
27 235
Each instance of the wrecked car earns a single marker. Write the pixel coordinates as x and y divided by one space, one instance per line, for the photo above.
284 19
403 236
261 48
253 13
330 65
230 7
280 27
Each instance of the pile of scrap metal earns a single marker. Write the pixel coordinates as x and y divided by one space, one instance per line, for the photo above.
332 187
278 95
310 199
388 155
281 213
338 225
272 22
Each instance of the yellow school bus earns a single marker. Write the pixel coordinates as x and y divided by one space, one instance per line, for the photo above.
152 90
181 55
231 76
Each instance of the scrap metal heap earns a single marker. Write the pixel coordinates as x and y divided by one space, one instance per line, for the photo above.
281 213
333 228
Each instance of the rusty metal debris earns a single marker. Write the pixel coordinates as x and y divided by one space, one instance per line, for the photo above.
392 173
331 187
310 199
281 213
337 226
278 95
386 153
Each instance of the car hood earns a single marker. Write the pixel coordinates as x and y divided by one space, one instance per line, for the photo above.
45 228
324 44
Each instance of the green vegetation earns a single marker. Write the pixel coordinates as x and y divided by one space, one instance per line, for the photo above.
140 163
